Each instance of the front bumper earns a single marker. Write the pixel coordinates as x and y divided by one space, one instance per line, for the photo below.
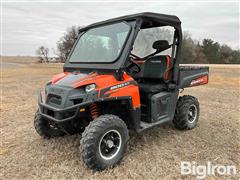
57 114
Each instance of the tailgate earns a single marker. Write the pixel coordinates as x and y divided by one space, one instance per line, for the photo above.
192 76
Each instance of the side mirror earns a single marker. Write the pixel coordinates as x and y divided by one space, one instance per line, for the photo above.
161 45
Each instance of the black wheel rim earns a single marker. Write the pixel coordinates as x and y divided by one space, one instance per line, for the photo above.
110 144
192 113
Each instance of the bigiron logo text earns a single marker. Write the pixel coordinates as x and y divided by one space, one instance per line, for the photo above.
209 169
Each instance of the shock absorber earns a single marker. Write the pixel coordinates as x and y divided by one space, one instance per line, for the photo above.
94 110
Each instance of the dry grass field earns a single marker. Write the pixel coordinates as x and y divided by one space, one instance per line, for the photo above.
155 154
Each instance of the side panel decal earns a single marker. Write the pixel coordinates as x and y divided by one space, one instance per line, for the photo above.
199 81
111 88
129 88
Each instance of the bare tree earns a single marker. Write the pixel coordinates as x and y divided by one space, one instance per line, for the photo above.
65 44
43 54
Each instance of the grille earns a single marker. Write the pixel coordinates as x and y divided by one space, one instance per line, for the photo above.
77 101
54 99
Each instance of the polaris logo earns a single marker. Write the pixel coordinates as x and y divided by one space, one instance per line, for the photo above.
119 85
198 81
201 80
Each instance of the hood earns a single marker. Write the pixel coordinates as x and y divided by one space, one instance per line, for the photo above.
71 79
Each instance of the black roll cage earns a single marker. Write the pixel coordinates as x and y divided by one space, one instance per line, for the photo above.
136 22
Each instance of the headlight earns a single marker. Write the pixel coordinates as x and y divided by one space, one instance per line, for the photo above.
90 87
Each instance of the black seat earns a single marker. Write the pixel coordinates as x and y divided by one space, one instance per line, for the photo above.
155 74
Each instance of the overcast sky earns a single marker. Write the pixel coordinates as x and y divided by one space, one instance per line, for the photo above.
26 26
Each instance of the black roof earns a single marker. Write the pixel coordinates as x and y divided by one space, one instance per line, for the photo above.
160 19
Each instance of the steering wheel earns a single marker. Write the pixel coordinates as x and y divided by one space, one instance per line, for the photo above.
133 64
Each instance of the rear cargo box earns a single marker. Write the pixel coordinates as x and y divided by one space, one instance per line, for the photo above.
192 76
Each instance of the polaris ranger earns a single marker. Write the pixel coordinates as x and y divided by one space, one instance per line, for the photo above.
109 86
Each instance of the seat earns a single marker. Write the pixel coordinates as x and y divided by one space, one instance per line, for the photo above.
155 75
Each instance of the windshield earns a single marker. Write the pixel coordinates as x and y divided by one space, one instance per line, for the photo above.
101 44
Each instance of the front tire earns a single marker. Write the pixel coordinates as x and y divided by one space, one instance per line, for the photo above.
187 113
45 129
104 142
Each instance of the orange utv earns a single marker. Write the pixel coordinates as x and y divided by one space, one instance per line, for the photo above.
122 74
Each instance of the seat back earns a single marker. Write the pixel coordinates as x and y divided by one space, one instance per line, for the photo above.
157 67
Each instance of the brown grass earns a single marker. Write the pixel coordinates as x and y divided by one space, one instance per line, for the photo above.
155 154
19 59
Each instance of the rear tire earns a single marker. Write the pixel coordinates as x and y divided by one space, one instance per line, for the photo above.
45 129
187 113
104 142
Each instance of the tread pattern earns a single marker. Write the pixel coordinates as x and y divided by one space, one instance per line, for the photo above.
180 118
43 129
90 137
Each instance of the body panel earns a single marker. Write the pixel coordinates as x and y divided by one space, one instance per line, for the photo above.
106 85
192 76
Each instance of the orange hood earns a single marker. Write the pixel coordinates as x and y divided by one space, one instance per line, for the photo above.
79 79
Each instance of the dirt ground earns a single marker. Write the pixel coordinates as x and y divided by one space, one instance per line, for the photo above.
155 154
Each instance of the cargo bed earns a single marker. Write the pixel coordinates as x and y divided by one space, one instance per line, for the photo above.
192 76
